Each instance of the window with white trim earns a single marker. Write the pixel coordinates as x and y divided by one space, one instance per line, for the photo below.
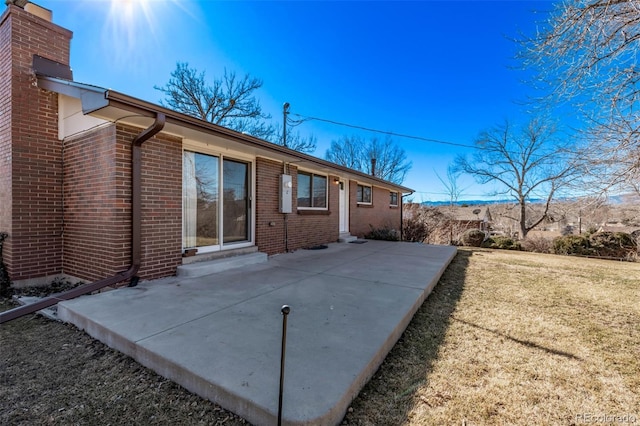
393 199
364 194
312 191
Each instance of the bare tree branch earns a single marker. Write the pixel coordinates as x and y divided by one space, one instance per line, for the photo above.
586 56
356 153
528 163
229 101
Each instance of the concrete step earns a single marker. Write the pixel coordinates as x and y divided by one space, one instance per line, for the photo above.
346 237
200 269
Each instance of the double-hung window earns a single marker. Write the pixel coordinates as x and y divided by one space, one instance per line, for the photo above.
363 194
312 191
393 202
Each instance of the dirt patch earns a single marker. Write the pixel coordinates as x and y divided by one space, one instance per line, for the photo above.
58 285
52 373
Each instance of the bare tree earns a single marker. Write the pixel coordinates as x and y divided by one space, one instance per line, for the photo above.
527 163
229 101
453 191
296 141
451 184
356 153
586 56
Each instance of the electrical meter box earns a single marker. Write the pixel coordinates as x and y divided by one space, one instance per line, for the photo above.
286 193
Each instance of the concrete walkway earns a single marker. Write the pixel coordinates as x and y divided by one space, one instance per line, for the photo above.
219 336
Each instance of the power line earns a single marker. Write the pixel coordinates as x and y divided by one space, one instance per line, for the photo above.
385 132
304 118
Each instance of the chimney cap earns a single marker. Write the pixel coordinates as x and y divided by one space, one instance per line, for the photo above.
19 3
32 8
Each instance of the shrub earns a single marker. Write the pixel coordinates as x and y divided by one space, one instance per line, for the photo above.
415 230
385 233
572 244
538 245
472 238
613 244
619 245
591 230
502 243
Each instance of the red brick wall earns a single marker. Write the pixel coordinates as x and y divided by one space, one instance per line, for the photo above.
95 245
269 239
97 196
34 247
305 229
5 127
161 205
377 215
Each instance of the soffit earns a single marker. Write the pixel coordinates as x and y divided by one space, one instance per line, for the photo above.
119 108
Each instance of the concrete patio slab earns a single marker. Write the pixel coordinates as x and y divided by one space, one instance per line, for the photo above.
219 336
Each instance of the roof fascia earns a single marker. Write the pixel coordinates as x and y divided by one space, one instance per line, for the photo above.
92 97
95 98
141 107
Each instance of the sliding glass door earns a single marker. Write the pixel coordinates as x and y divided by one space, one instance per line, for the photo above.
235 210
216 201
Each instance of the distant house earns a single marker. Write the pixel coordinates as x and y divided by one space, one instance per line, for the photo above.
469 217
94 182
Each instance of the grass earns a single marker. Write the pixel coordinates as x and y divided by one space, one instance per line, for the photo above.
505 338
515 338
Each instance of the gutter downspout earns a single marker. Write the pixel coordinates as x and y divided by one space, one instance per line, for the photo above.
136 234
402 214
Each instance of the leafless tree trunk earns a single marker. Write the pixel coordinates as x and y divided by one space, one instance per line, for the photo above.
527 164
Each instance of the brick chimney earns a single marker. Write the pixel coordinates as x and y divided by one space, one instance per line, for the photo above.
30 152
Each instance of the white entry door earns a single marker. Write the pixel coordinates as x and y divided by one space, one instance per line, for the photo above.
344 207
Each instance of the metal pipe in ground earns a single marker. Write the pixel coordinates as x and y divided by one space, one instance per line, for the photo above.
285 312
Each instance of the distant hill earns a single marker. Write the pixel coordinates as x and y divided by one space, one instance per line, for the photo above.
469 202
630 198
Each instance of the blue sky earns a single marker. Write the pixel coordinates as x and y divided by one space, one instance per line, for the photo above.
438 70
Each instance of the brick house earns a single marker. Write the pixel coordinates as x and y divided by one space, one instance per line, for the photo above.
94 182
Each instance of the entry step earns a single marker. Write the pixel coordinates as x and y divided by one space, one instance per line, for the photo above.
346 237
208 267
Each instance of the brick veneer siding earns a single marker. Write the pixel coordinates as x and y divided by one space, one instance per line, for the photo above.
269 239
97 197
161 205
305 229
95 244
32 168
6 203
377 215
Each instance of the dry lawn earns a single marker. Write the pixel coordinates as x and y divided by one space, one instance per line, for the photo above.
505 338
515 338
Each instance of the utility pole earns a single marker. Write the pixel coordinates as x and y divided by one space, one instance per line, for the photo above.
285 112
